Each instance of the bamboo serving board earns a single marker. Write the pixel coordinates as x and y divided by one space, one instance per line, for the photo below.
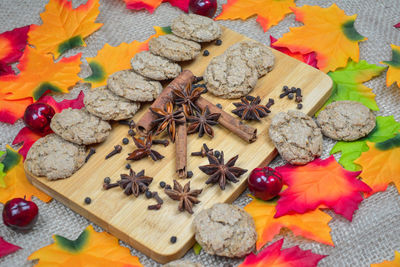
148 231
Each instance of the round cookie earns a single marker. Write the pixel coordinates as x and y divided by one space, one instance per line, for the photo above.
80 127
154 67
103 103
182 263
174 48
225 230
229 76
346 120
196 28
259 55
54 157
132 86
296 136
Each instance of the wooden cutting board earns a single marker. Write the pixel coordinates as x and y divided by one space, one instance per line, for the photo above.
127 218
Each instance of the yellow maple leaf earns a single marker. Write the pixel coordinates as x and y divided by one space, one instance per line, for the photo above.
312 225
269 12
64 27
381 164
328 32
17 185
39 74
89 249
393 263
393 73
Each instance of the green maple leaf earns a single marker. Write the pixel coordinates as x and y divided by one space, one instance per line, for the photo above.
2 172
386 128
348 83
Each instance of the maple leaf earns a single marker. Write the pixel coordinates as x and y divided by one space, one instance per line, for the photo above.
269 12
274 256
39 74
386 128
151 5
64 27
381 164
11 111
320 182
12 43
394 263
309 58
2 173
111 59
17 185
348 84
328 32
27 137
397 25
7 248
312 225
393 73
89 249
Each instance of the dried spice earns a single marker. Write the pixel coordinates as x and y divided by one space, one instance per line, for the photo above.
250 109
117 150
92 151
132 183
167 118
203 152
144 150
186 197
220 172
158 199
187 97
202 122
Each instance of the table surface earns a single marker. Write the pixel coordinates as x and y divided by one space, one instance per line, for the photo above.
374 234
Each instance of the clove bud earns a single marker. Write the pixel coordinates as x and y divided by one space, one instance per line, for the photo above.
91 152
117 149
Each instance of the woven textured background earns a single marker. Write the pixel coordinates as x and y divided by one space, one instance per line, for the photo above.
374 233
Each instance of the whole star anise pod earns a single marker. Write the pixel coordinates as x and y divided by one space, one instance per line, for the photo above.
167 118
220 172
202 122
144 149
132 183
250 109
186 98
185 197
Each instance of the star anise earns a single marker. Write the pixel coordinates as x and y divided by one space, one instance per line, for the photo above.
132 183
185 197
144 149
167 119
186 98
220 172
202 122
250 109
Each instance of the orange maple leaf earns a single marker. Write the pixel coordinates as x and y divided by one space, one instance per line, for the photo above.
89 249
64 27
11 111
269 12
320 182
312 225
393 73
39 74
394 263
329 32
381 164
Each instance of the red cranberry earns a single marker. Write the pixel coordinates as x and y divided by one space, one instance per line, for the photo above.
265 183
20 214
203 7
38 117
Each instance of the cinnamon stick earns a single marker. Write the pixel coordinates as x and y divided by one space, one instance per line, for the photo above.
247 133
145 123
181 150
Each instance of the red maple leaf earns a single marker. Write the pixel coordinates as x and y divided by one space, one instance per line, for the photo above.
7 248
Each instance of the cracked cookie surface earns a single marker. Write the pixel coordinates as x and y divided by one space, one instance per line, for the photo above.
196 28
174 48
103 103
225 230
296 136
346 120
80 127
154 67
132 86
54 157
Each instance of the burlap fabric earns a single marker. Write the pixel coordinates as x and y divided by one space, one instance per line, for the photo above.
374 234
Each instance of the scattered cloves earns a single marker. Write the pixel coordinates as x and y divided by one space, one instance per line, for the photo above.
91 152
299 97
197 79
158 199
203 152
270 103
163 142
117 149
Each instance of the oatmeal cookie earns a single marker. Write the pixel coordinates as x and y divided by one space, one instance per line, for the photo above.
174 48
196 28
54 157
154 67
296 136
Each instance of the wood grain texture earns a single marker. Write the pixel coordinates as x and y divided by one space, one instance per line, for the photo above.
150 231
